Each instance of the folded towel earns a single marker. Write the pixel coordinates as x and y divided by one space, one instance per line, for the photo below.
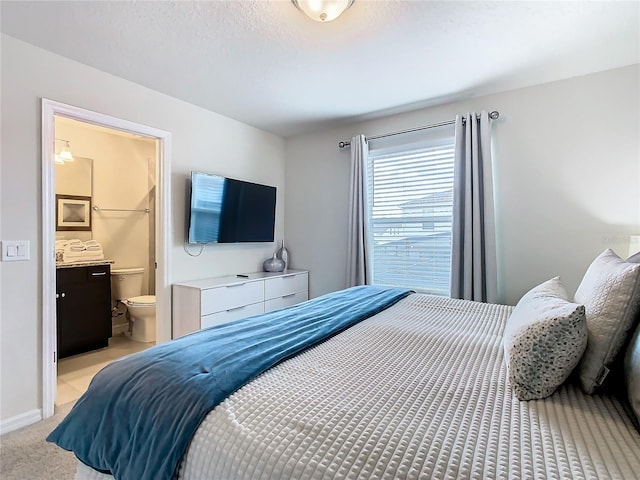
95 258
77 251
68 256
80 255
92 245
60 244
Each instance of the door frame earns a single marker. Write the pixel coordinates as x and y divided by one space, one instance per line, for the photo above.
50 109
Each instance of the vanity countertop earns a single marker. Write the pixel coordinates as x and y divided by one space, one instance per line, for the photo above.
82 263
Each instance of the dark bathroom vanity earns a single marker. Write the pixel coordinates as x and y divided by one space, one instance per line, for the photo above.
83 307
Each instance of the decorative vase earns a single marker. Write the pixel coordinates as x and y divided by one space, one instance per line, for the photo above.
283 254
273 264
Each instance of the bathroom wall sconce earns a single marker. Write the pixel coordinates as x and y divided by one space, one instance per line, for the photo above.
64 155
322 10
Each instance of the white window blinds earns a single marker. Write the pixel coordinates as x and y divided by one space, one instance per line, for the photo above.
410 202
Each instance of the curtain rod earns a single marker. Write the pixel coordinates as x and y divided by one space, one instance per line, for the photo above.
492 115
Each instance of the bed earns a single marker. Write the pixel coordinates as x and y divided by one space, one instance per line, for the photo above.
418 390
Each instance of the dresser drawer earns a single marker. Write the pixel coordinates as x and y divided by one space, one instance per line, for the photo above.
286 301
286 285
231 296
231 315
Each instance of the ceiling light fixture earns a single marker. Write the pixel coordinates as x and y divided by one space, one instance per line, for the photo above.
323 10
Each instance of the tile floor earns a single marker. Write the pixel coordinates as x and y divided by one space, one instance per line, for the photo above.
75 373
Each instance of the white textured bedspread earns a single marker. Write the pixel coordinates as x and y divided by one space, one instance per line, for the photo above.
419 391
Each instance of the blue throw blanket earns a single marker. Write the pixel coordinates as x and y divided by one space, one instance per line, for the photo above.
140 413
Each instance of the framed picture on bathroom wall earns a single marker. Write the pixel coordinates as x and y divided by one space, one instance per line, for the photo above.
73 213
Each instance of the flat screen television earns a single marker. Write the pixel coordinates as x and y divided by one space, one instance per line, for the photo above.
226 210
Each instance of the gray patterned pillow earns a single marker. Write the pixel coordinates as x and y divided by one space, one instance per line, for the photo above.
610 292
544 339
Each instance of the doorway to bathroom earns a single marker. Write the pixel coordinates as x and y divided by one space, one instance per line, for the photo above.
111 176
105 208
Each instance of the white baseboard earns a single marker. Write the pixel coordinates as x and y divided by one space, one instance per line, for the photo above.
23 420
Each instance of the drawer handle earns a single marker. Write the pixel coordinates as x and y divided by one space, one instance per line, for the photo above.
235 285
289 276
98 274
237 308
290 295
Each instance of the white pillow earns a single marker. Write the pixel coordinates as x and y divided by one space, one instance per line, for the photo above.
544 339
610 292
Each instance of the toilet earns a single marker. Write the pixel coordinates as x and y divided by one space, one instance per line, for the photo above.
126 287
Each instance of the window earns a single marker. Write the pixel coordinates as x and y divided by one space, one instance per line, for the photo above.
410 201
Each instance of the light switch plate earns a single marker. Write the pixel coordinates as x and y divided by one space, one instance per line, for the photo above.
15 250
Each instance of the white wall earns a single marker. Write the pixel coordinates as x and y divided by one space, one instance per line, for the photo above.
201 140
567 169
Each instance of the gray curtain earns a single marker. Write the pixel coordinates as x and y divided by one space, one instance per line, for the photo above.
357 261
473 253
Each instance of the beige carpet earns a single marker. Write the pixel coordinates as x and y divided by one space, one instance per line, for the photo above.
25 455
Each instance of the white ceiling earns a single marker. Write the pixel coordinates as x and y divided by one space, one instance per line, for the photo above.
266 64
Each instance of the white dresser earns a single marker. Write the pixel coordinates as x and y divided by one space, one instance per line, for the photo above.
211 301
